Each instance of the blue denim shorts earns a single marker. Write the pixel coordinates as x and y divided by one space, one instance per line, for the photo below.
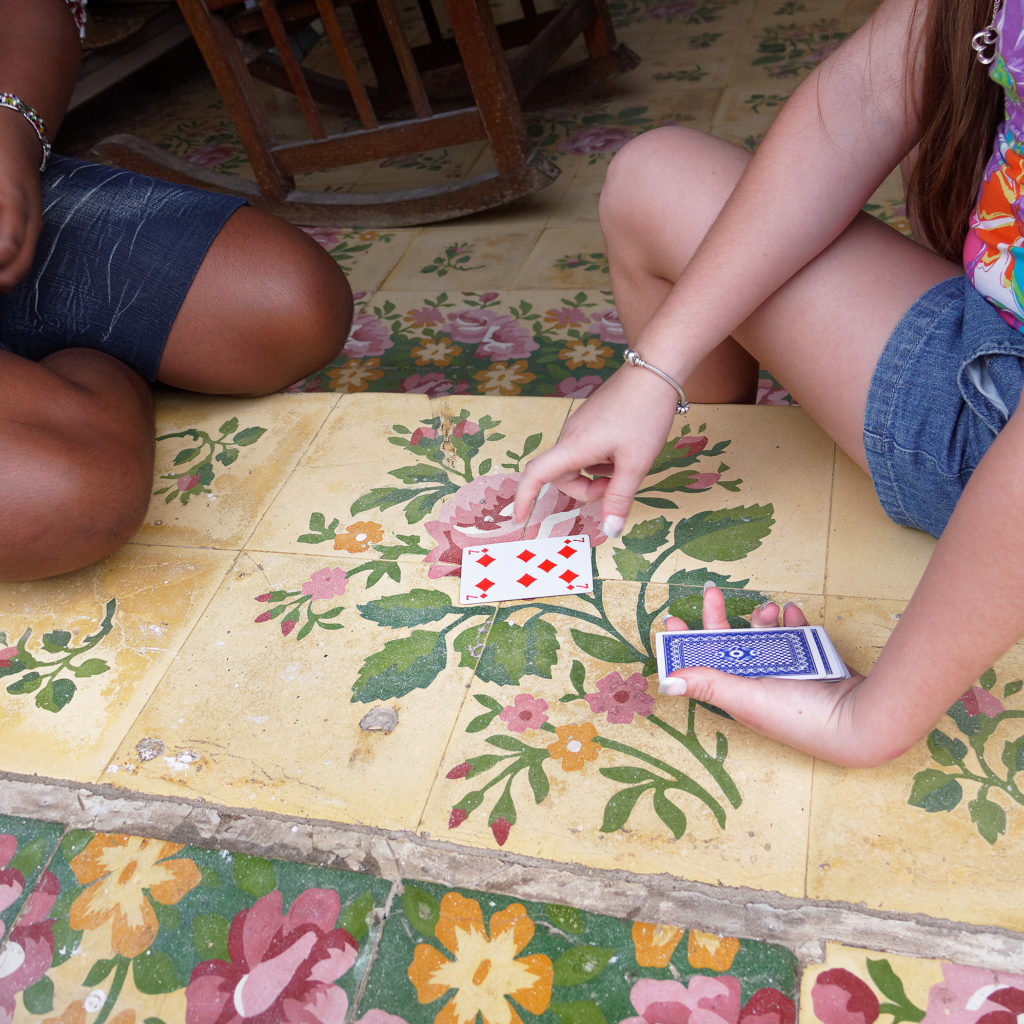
117 255
948 380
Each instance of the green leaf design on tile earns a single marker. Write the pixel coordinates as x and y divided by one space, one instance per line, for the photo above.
403 665
414 608
580 1011
422 910
935 791
580 964
355 917
515 651
154 974
210 936
199 457
986 758
254 875
726 535
566 919
38 998
49 677
889 984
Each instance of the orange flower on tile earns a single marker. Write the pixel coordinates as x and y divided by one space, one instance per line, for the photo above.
485 971
590 353
575 745
122 874
715 952
504 378
358 537
436 351
355 375
654 944
78 1013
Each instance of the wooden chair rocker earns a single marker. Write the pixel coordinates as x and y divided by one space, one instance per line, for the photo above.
503 65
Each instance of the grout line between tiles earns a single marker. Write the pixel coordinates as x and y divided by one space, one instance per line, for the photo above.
802 925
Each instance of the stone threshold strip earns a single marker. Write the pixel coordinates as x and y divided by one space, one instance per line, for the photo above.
804 926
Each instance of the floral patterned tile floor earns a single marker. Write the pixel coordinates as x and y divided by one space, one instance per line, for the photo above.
262 766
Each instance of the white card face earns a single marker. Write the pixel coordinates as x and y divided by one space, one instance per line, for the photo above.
526 569
799 652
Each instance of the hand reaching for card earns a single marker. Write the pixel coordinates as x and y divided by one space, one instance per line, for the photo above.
815 717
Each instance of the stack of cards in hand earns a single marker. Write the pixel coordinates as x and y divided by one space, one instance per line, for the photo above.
791 652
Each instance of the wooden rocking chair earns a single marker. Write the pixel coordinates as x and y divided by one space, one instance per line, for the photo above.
243 42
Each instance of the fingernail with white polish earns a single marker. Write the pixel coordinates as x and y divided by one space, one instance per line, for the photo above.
674 688
612 526
708 584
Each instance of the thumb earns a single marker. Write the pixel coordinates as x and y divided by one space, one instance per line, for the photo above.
709 685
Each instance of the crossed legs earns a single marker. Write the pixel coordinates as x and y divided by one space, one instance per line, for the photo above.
267 307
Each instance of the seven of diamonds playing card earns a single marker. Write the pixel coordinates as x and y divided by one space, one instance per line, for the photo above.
516 569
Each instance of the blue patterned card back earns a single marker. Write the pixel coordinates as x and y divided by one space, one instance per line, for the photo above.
743 652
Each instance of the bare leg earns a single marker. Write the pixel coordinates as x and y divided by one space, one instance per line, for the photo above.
76 460
267 307
821 334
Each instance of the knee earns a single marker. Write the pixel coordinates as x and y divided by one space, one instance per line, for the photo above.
305 309
68 506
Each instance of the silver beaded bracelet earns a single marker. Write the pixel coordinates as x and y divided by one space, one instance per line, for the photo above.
12 102
629 356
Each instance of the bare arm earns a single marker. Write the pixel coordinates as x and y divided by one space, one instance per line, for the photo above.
965 614
840 134
39 58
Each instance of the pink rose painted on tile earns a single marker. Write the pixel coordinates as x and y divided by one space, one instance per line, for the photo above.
840 997
707 1000
481 512
369 336
28 950
497 336
608 327
973 995
282 968
597 139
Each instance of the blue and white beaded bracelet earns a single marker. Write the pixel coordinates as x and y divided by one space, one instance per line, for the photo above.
12 102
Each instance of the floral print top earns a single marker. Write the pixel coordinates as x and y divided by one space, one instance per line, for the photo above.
994 249
78 12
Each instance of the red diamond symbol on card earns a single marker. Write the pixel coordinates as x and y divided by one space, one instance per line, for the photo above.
547 565
485 560
567 551
526 579
485 584
569 576
526 555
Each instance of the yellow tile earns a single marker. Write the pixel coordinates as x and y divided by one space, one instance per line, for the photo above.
746 112
354 456
220 461
773 522
366 257
258 715
461 257
566 258
936 812
735 805
111 630
869 555
918 978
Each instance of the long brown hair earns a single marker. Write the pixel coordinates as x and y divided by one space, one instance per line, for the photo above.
960 107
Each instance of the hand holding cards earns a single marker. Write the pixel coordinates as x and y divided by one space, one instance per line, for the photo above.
791 652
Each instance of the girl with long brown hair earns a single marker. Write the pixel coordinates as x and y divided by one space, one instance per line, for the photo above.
908 353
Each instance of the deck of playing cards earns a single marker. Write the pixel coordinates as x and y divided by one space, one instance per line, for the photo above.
793 652
513 570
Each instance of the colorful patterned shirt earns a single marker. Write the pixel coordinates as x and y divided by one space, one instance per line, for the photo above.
994 249
78 11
